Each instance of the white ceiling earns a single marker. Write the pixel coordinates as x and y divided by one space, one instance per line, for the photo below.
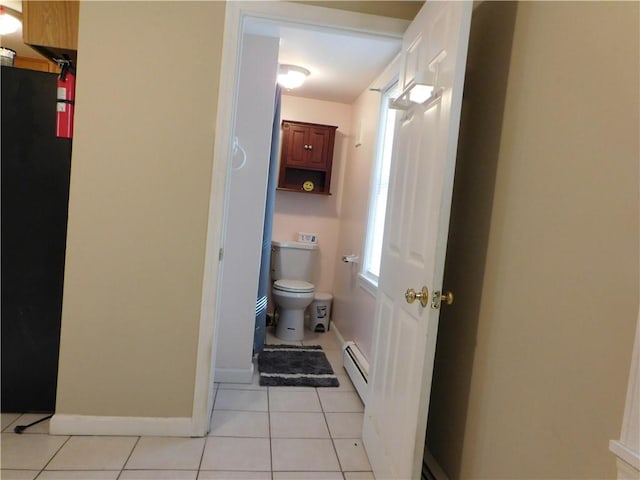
342 64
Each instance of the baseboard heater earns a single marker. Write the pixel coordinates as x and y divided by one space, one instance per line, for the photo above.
357 368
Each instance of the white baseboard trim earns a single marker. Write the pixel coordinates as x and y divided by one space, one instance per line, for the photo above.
357 368
339 335
63 424
623 452
233 375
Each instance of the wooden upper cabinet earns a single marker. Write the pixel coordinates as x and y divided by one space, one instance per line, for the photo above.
51 26
40 64
294 144
320 148
307 157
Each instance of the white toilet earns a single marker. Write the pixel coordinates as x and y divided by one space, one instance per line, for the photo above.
292 267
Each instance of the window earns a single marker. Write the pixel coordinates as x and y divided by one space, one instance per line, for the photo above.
380 187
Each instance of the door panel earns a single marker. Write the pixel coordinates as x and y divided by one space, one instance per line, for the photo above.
319 142
394 220
416 227
412 60
297 154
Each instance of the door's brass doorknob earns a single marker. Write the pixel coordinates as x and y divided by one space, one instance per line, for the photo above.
423 295
440 298
447 297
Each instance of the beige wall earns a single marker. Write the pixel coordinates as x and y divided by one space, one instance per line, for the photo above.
533 359
295 212
140 186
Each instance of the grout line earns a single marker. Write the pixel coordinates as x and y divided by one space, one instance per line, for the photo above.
129 457
53 456
270 438
215 398
207 436
206 439
333 443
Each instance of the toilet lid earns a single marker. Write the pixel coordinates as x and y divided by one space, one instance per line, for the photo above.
298 286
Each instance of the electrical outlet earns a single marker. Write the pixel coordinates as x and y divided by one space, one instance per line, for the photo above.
307 237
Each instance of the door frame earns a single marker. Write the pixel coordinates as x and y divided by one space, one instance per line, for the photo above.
317 18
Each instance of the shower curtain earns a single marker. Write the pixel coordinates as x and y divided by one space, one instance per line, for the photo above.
263 282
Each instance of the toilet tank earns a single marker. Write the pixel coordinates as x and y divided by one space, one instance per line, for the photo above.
293 260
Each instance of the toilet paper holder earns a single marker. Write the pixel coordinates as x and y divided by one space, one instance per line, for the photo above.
350 258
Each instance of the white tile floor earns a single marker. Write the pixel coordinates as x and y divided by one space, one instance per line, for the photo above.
257 433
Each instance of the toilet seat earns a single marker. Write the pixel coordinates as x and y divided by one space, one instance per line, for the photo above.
294 286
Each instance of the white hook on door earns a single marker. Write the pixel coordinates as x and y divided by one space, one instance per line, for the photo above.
237 147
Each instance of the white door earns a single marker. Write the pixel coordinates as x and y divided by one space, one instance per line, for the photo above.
414 245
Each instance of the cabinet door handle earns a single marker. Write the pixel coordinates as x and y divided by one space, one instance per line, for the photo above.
310 147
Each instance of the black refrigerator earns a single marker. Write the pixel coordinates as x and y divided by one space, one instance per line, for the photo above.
35 196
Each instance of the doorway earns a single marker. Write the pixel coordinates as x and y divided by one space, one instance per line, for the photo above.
275 16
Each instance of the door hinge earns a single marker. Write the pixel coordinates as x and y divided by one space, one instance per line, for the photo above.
220 254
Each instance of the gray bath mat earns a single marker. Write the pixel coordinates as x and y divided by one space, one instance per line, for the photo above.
294 366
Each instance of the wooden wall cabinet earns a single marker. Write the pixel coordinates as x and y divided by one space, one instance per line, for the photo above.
39 64
51 27
307 157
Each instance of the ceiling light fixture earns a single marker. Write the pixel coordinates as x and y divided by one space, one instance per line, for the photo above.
292 76
8 22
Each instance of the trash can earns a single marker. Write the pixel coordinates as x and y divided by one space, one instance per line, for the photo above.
320 312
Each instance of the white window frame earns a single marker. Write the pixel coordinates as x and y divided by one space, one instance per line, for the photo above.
368 279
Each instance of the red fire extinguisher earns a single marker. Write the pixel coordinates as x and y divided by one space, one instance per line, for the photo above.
66 100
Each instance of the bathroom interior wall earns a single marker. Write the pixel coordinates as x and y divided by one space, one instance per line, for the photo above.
298 212
353 306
